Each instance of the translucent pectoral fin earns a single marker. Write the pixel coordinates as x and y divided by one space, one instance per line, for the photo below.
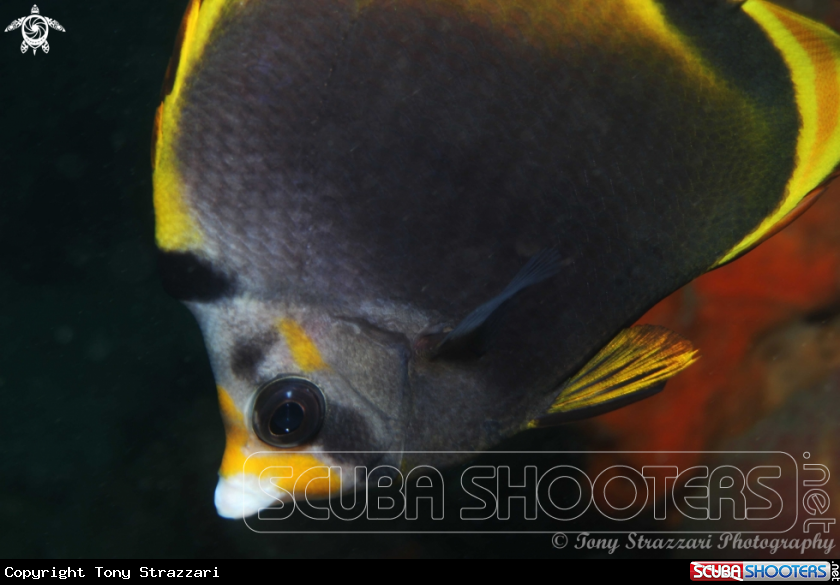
634 365
472 336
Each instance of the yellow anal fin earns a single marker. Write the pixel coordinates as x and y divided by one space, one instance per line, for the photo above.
634 365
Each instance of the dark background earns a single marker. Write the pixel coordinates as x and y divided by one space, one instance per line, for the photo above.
110 436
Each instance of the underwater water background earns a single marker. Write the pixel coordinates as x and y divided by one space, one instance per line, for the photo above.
110 435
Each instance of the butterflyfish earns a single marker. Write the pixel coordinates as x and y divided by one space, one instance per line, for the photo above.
427 225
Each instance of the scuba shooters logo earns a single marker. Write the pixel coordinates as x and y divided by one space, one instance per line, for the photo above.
35 29
754 493
793 571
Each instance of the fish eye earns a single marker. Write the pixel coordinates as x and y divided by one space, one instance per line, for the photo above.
288 411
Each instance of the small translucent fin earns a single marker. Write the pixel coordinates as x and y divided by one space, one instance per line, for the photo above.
471 337
633 366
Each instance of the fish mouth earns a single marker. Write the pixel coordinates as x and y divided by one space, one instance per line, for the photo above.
240 496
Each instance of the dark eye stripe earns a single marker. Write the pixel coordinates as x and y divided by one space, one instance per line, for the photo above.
249 352
246 358
346 429
187 277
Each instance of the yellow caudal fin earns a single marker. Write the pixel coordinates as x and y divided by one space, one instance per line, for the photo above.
811 52
633 366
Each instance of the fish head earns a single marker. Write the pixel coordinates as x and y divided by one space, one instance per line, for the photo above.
306 397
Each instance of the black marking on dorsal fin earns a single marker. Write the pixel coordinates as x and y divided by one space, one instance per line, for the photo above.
187 277
471 337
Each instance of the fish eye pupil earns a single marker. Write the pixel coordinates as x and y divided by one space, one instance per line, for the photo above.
286 419
288 411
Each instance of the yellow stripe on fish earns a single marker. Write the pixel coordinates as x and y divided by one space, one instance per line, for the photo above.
304 351
811 52
175 227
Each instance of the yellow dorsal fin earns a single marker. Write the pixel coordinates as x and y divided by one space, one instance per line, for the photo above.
633 366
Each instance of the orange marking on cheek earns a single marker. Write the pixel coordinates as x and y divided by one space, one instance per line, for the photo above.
304 351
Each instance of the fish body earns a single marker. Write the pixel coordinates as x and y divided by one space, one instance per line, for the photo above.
429 221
